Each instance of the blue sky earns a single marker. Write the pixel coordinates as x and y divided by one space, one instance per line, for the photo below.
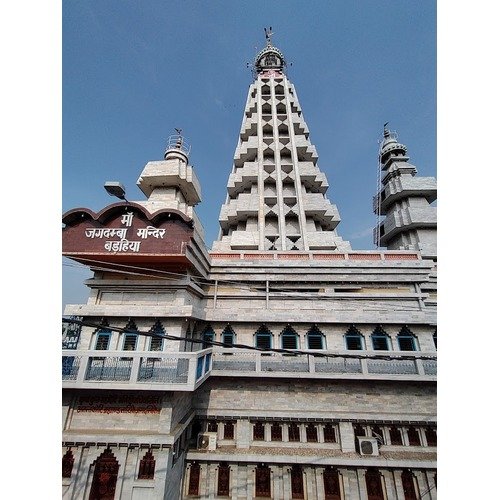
134 70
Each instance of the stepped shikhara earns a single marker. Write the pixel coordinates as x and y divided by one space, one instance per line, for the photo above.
276 191
281 364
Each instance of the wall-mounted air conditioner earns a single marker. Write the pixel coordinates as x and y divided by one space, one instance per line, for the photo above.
368 446
207 441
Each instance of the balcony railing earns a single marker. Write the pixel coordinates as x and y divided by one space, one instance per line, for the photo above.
366 365
185 371
182 371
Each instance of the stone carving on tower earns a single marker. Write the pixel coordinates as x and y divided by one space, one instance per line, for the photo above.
404 199
276 193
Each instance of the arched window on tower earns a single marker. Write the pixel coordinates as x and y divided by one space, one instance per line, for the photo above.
315 339
102 339
380 340
147 466
156 343
130 336
263 338
207 337
228 336
406 340
354 340
289 338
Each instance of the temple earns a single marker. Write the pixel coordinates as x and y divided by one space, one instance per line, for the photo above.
279 364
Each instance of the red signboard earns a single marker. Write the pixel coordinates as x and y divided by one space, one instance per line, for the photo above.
125 232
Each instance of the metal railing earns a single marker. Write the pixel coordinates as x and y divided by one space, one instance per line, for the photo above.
136 370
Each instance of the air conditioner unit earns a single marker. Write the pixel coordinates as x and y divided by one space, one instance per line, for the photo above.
368 446
207 441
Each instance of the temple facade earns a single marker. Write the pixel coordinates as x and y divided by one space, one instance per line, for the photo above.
279 364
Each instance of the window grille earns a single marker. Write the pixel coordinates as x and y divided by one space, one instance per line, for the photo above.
380 340
228 430
212 426
276 434
408 481
263 338
208 336
311 434
194 479
314 338
329 433
353 340
263 481
297 482
156 343
406 340
374 486
395 436
258 431
228 337
102 341
289 338
223 481
130 342
413 437
331 484
293 433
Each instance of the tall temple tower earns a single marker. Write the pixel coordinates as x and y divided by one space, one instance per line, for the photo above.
281 364
276 192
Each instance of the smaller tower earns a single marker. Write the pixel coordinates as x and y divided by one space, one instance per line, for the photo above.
404 199
172 183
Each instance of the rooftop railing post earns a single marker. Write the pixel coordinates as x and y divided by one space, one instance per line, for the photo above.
84 361
364 366
258 362
191 381
311 363
134 373
420 366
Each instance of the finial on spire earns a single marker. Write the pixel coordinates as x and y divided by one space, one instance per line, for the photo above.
269 33
387 133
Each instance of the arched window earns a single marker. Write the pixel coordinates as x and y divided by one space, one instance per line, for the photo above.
289 338
223 480
297 482
263 481
208 336
354 339
228 336
263 338
105 476
67 463
315 339
102 339
408 481
380 340
406 340
147 466
130 339
374 487
331 484
156 343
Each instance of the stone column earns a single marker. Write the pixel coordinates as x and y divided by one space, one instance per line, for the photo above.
287 484
250 481
390 486
423 487
345 484
303 435
285 436
431 484
318 482
363 494
203 489
346 431
267 432
310 483
243 431
398 483
321 433
211 481
276 481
